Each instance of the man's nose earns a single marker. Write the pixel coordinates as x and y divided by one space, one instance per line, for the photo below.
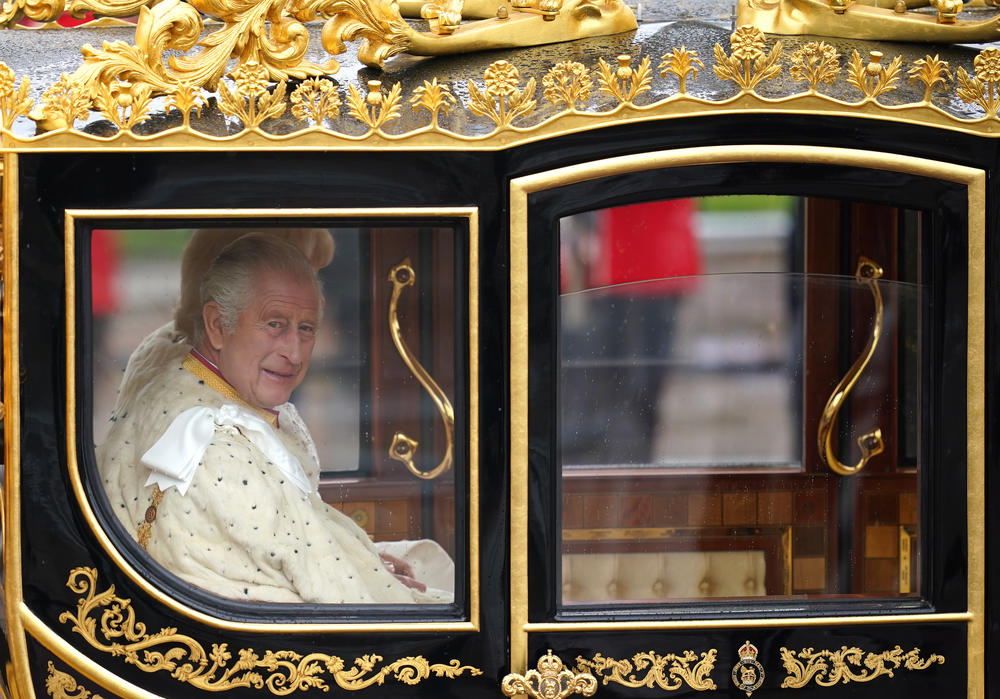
293 348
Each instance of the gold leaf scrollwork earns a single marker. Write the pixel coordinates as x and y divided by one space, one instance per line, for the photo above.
849 664
377 108
14 100
39 10
981 87
681 63
624 82
186 660
931 71
62 685
552 680
873 79
434 97
668 672
502 101
315 99
383 30
567 83
748 64
815 63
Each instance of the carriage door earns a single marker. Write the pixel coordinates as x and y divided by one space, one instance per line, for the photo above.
752 451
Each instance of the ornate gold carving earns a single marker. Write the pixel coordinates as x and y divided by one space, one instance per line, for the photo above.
375 109
124 104
981 88
251 86
552 680
64 103
434 97
315 99
815 63
873 79
14 100
748 64
62 685
668 672
107 622
862 19
931 71
403 448
870 443
828 667
681 62
502 101
567 83
624 83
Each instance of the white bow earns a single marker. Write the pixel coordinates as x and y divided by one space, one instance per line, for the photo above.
174 458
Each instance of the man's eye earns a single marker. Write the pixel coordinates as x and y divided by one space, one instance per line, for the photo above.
308 329
276 324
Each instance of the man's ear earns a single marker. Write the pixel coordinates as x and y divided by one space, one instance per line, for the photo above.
214 330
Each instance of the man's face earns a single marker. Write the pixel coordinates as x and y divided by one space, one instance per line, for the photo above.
266 356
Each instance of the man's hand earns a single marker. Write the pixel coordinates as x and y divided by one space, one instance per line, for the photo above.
402 570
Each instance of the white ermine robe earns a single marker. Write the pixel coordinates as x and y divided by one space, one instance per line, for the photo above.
242 529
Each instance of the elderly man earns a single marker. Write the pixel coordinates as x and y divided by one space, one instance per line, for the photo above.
212 470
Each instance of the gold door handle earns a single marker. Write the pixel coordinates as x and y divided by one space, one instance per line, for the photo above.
868 273
552 680
403 448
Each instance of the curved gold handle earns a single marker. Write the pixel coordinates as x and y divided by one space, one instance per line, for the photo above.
403 448
552 680
867 273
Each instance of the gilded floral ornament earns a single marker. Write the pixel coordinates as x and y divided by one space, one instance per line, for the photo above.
748 64
849 664
668 672
815 63
567 83
931 71
623 82
434 97
981 88
252 103
63 103
62 685
124 104
108 623
873 79
551 680
14 100
502 101
186 98
375 109
314 100
681 62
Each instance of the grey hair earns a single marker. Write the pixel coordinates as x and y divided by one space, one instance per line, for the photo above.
230 279
206 244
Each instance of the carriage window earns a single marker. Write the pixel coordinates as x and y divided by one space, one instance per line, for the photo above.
270 442
740 399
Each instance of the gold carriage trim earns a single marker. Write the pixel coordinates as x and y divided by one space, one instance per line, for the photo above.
504 98
829 667
107 622
62 685
668 672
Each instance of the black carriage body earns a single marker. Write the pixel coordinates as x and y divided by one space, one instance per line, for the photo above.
77 586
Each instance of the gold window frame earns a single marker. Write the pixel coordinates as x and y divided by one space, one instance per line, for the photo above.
974 180
20 617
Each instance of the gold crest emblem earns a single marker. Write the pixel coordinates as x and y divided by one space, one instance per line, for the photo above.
748 674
